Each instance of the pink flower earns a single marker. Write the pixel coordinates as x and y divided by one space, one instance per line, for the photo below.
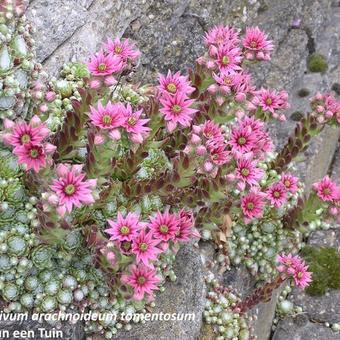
144 247
176 110
21 133
290 182
302 277
243 139
326 189
252 205
213 133
247 171
325 106
71 188
104 65
256 44
263 140
122 49
134 125
295 267
142 279
225 79
109 117
228 58
32 155
271 100
230 80
164 226
286 262
277 194
220 35
124 246
124 229
219 155
185 227
172 84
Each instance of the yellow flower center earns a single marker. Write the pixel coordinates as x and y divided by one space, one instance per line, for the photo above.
245 172
171 87
269 101
107 119
125 230
69 189
276 194
163 229
241 141
250 205
326 191
227 80
102 67
225 60
118 49
25 138
132 121
253 44
176 108
126 245
287 183
143 246
141 280
34 153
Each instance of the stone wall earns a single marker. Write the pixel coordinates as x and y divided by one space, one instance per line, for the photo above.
169 34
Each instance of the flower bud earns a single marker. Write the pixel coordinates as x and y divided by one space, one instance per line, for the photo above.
95 84
240 97
260 56
195 139
43 108
201 150
110 80
50 96
212 88
208 166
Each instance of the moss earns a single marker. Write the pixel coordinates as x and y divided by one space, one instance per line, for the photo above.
325 264
336 88
317 63
296 116
303 92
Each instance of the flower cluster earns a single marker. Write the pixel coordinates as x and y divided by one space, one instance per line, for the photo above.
70 189
176 107
208 146
146 241
271 101
115 57
295 267
329 193
28 141
326 108
111 117
225 57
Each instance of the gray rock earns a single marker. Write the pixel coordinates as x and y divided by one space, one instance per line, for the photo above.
325 308
300 328
335 167
186 295
325 238
55 22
